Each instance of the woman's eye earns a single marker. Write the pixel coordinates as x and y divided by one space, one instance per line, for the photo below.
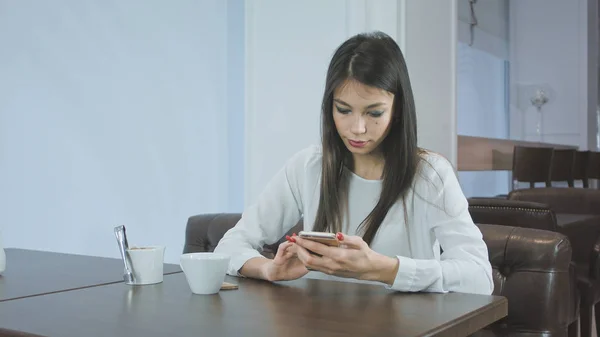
376 113
342 110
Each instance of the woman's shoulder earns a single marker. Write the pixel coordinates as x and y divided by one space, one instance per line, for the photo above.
306 160
434 161
437 184
434 169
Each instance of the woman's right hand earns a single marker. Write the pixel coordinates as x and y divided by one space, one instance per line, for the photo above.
285 266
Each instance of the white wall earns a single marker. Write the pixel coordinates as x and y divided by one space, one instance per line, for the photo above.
430 30
236 58
491 32
482 86
111 113
482 111
492 16
556 47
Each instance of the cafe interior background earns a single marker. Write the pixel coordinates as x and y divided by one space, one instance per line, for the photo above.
143 113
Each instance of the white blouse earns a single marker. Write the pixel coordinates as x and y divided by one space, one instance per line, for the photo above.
437 216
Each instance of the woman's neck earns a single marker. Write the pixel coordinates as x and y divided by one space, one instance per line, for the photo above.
369 166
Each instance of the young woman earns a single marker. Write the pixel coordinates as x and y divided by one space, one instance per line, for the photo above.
392 204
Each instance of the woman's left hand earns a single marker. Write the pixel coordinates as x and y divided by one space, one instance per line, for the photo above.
354 259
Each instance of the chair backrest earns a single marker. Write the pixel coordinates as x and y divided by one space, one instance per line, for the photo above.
593 165
563 165
581 166
532 164
512 213
203 232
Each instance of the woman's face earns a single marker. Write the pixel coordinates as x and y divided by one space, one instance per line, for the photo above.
362 116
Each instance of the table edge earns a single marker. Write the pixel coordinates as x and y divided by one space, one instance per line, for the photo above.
443 330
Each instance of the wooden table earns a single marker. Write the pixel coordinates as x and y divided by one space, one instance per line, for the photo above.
33 273
492 154
258 308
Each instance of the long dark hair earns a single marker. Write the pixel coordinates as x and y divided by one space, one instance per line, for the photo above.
373 59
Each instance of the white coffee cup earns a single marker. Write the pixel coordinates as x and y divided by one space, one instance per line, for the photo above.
147 264
205 272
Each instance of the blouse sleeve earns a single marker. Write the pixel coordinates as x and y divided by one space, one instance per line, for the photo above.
464 264
278 208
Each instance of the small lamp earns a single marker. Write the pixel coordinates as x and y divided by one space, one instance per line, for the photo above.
536 95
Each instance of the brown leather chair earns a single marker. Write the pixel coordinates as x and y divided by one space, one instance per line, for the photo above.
532 165
531 268
563 165
577 211
526 215
536 281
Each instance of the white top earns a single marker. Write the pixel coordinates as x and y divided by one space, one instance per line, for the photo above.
437 215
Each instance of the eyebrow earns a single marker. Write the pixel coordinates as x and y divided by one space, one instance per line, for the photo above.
374 105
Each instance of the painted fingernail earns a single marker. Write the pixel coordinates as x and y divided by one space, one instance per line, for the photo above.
340 236
287 237
294 234
293 240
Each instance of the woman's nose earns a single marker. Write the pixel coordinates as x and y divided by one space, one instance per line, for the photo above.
359 125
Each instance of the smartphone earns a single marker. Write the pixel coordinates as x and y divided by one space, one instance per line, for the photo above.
322 237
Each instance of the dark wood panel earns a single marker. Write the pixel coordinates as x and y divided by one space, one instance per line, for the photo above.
32 272
492 154
299 308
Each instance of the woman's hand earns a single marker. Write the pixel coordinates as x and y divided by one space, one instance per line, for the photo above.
285 266
354 259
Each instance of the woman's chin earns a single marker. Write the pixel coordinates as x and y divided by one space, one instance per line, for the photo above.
359 150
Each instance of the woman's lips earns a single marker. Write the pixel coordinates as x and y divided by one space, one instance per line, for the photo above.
356 143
